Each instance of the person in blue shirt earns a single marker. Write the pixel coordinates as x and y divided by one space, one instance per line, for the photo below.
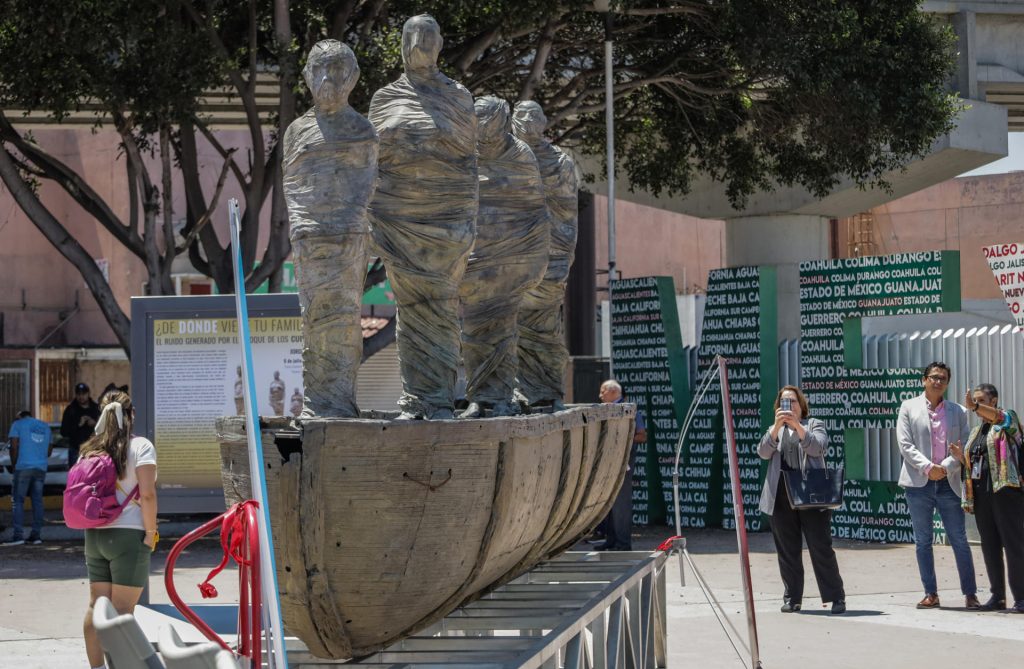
30 450
618 525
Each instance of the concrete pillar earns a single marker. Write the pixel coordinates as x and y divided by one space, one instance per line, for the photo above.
581 292
782 241
775 239
965 80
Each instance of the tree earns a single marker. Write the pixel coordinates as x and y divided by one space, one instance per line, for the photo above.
101 53
752 92
749 91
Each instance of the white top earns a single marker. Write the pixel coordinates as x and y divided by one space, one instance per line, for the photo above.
140 452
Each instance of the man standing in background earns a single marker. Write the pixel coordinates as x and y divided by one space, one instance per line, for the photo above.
78 421
618 526
30 449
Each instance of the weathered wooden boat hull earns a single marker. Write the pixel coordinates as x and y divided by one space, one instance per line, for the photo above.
382 527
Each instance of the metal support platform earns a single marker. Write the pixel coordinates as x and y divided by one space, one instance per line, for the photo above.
578 611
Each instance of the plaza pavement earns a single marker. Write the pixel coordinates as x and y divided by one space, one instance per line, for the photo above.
43 594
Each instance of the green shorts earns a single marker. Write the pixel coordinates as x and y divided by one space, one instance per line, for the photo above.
117 555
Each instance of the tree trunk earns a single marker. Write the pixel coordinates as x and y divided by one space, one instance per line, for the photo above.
286 114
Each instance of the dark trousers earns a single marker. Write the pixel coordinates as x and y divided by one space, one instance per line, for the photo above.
791 528
618 524
1000 519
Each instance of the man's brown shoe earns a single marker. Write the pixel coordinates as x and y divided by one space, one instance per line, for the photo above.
972 603
931 601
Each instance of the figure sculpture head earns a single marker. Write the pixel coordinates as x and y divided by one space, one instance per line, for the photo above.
331 73
529 121
493 122
421 43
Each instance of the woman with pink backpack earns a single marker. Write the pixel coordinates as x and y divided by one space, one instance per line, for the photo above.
111 492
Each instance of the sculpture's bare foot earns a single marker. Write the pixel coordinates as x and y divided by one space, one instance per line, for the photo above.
443 413
472 411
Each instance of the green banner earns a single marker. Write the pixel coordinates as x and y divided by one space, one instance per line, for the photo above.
740 324
648 360
834 296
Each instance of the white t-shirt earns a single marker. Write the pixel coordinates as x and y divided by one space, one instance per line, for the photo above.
140 452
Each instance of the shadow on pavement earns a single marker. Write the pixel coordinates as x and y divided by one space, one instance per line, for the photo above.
850 613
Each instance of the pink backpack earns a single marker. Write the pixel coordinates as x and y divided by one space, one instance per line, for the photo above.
90 498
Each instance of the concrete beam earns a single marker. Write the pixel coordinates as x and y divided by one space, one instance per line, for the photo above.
976 6
980 137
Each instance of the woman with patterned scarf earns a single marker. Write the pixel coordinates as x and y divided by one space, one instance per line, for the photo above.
992 492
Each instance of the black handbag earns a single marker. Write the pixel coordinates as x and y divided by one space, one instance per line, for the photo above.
811 488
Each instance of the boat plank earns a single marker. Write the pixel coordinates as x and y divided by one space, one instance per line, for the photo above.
382 527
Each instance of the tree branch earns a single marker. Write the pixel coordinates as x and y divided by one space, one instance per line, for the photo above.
540 60
75 186
474 47
68 247
207 215
226 154
376 274
338 17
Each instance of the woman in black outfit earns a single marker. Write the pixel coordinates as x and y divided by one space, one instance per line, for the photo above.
992 492
797 441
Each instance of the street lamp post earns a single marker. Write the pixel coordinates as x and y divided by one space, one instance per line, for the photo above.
604 7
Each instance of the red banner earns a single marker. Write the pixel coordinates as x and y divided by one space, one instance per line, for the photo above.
1007 264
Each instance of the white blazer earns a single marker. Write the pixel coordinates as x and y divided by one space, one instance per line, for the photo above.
914 433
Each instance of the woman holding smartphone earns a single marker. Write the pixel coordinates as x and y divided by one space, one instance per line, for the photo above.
795 441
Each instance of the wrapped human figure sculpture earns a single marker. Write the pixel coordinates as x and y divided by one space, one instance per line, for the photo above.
330 168
509 258
543 355
424 215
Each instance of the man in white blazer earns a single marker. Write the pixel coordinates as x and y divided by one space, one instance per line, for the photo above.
927 424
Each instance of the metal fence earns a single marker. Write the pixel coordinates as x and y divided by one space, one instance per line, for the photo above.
987 354
14 391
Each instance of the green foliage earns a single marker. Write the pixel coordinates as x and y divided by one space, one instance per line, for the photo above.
132 57
752 92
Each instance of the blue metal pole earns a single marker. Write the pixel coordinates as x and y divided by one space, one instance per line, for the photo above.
276 655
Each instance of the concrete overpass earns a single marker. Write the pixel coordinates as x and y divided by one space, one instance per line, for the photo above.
788 225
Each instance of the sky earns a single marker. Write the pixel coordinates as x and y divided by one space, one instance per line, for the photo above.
1011 163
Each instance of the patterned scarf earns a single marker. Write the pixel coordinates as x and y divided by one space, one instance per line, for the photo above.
1003 452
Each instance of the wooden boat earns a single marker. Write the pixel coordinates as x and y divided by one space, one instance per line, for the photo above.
382 527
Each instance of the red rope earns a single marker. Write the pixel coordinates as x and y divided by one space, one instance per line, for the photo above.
232 539
239 539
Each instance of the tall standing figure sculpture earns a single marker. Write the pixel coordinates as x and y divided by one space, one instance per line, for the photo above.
543 356
330 167
424 214
509 258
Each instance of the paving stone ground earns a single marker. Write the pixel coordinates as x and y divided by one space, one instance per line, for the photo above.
43 593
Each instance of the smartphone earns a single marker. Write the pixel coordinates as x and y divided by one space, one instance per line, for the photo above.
786 404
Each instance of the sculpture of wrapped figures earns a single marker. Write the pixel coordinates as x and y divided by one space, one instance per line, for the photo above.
424 215
330 168
543 356
509 258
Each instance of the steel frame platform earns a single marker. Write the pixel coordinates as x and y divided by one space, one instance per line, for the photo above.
578 611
